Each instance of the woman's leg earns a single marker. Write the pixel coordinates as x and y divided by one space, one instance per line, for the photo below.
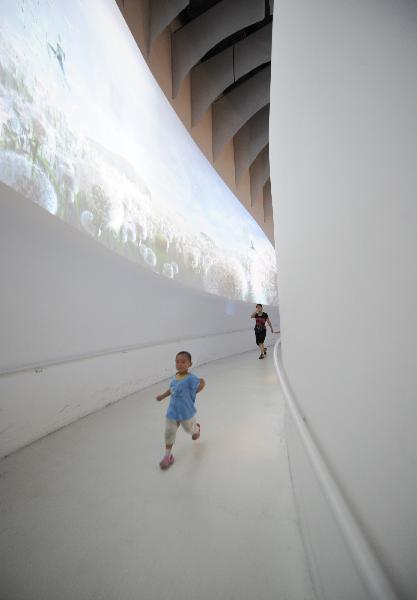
260 339
263 342
260 345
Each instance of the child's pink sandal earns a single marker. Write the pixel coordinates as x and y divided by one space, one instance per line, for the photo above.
196 435
166 462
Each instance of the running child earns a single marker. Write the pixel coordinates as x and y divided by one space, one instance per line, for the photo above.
181 410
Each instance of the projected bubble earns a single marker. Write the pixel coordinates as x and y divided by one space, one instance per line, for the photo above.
86 133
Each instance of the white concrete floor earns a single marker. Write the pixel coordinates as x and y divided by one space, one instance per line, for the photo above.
86 513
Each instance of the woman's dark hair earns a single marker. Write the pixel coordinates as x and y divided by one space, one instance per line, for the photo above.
185 353
259 305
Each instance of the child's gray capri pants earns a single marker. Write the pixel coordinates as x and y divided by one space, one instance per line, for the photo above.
171 427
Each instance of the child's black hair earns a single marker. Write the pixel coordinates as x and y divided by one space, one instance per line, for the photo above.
186 353
259 305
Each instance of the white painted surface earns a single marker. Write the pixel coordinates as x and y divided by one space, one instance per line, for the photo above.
88 514
370 580
64 298
344 178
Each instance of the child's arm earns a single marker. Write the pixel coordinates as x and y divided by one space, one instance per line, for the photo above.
164 395
201 386
253 315
269 323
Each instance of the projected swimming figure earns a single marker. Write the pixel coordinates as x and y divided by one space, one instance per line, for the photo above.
59 54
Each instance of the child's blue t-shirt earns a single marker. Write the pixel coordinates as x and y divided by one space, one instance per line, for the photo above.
182 403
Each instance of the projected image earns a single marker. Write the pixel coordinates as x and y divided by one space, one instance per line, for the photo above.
86 133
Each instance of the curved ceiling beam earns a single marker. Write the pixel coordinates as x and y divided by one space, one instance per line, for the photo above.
267 198
249 141
232 111
211 77
194 40
253 51
208 80
162 13
259 174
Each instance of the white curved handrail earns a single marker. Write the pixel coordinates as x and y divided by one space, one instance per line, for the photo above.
39 366
375 580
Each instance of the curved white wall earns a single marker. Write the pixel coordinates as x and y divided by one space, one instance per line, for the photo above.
86 133
344 180
68 300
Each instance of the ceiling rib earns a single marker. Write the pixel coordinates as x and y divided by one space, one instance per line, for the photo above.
253 51
267 199
250 140
209 79
192 42
234 109
162 12
259 174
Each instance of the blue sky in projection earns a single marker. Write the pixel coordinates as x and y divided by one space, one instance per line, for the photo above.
83 57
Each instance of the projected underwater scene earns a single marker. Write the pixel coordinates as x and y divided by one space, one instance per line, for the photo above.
86 133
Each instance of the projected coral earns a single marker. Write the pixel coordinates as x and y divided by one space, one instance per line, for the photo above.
86 133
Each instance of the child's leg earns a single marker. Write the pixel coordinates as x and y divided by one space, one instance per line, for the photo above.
171 428
192 427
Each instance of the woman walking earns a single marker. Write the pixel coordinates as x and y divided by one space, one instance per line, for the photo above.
260 328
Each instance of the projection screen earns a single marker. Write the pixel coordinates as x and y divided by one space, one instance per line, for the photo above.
86 132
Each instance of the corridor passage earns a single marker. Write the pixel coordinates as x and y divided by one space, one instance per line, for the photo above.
86 513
